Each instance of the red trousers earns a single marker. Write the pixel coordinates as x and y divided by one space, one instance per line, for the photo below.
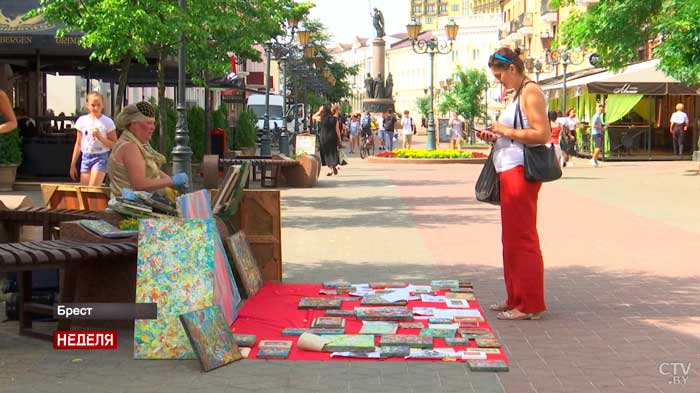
523 267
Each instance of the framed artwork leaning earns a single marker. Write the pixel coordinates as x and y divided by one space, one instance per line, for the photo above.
245 263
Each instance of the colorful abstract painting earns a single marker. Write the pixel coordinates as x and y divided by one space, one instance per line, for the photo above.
246 265
175 269
210 337
196 205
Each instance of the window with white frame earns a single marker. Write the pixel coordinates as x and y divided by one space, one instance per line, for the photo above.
442 8
455 7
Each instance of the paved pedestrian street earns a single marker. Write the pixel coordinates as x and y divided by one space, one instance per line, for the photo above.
621 253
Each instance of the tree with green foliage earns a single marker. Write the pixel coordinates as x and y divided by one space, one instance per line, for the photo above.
423 105
319 38
119 31
465 95
616 30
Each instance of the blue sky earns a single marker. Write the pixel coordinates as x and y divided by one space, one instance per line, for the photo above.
346 19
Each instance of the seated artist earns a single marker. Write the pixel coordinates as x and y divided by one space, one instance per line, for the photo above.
133 163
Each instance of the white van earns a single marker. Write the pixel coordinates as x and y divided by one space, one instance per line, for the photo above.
256 103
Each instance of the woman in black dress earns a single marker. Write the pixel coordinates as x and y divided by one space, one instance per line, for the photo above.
329 139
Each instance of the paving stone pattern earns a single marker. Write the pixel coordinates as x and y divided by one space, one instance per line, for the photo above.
620 247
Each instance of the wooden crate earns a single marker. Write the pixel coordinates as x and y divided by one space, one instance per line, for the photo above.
259 217
75 196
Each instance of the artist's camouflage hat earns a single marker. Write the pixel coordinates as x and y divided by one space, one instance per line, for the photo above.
140 111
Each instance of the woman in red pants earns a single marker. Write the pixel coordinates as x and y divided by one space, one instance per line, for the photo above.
523 267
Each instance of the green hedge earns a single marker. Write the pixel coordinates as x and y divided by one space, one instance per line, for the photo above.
11 148
195 126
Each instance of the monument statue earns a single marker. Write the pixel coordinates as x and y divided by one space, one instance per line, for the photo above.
378 22
379 86
369 85
389 89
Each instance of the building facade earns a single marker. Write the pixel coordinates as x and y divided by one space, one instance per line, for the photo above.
484 6
476 40
427 12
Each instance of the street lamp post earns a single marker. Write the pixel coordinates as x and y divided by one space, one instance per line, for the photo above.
182 153
538 66
563 56
266 140
432 47
283 48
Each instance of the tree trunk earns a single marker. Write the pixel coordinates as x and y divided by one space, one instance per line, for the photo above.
123 77
162 112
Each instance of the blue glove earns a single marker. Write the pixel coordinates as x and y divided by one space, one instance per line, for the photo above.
128 194
180 179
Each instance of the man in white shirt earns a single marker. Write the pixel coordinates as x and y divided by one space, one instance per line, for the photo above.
408 129
679 125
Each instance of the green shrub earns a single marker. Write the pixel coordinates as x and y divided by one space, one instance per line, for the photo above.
171 114
219 119
195 126
246 130
10 148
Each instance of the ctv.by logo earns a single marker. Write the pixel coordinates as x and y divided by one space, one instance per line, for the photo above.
677 371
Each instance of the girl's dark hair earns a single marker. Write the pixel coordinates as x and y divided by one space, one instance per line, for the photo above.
511 56
552 115
560 114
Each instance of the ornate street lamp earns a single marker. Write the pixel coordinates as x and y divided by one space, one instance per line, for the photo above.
182 153
282 46
432 47
563 56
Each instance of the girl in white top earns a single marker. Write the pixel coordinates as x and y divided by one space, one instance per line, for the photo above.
456 127
523 267
95 137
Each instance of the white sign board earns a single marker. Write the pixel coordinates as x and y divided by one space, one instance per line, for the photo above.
305 144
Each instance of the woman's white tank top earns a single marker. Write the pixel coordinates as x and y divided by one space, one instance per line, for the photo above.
508 153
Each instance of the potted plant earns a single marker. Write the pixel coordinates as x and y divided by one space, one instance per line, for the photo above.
10 158
246 133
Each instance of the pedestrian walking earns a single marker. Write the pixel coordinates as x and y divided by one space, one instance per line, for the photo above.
355 128
380 129
95 136
329 139
408 128
391 122
597 130
556 130
456 127
567 140
679 126
523 267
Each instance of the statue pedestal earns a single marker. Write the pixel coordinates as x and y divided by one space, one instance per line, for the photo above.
377 105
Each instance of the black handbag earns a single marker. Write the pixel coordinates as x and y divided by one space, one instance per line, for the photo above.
488 185
541 164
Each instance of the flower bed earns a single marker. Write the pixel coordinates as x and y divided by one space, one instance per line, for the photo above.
429 156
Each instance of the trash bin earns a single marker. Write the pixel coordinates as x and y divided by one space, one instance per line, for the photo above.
218 141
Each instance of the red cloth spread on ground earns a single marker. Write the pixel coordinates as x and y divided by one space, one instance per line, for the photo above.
274 308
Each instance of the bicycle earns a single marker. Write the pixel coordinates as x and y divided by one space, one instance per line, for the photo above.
366 145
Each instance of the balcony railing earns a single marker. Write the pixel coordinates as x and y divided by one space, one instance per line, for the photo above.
513 33
548 14
525 24
586 3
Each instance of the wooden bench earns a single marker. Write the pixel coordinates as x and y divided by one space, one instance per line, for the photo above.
44 217
268 166
68 256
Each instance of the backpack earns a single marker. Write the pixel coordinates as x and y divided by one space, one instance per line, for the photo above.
365 122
